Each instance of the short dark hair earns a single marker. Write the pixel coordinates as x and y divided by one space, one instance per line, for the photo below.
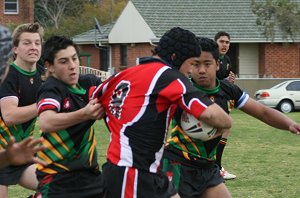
55 44
209 45
221 33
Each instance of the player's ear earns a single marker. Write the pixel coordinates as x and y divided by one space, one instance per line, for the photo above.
50 67
218 65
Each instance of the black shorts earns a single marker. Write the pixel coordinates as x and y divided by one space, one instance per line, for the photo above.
191 181
77 184
11 175
128 182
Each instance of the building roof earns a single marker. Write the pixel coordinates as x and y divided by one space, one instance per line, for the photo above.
203 17
94 36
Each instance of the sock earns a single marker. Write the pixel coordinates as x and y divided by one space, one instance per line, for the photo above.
220 149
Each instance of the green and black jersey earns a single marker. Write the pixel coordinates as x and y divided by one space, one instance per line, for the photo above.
180 147
22 86
225 67
75 147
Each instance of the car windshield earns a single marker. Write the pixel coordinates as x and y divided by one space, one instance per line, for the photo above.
279 85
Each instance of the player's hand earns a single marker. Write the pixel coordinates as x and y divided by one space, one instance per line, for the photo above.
295 128
231 77
24 151
94 110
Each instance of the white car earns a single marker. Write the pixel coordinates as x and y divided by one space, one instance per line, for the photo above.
284 96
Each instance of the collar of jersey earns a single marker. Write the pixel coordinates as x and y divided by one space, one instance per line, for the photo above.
27 73
143 60
207 91
221 57
77 90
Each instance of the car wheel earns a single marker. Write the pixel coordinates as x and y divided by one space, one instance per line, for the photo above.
285 106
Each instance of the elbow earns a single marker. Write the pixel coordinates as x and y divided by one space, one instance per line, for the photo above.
9 121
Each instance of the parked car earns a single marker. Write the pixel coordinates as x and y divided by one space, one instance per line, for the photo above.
284 96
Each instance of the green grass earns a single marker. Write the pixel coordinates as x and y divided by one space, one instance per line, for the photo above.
265 160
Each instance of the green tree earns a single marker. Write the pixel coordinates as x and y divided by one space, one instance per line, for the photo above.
278 16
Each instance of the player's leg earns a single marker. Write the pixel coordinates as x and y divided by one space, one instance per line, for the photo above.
221 146
28 178
219 191
3 191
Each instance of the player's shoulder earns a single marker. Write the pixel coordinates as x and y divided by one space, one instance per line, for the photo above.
53 84
88 80
226 85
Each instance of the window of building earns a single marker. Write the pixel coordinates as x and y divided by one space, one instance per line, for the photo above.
123 54
11 6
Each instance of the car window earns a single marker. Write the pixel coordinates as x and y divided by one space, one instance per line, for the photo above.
279 85
293 86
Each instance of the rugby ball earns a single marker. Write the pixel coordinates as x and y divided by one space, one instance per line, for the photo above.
196 128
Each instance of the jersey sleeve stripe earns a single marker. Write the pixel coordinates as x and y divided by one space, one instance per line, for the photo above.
243 99
48 103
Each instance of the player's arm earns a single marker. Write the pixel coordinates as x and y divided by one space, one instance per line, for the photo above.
216 117
50 120
270 116
21 153
12 114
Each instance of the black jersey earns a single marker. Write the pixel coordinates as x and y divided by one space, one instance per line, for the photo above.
139 103
73 148
224 68
185 149
23 86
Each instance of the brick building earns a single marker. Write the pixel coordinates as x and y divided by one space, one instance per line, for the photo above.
143 22
16 11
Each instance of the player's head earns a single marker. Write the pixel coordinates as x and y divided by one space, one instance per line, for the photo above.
223 40
5 51
61 58
27 42
204 73
176 46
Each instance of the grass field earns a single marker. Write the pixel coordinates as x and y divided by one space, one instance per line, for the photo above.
265 160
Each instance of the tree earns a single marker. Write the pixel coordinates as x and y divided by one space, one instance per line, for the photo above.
71 17
277 16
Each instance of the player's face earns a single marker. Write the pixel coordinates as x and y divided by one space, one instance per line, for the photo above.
223 43
66 66
186 67
204 73
29 48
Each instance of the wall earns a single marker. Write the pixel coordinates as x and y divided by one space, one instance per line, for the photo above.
280 60
25 15
133 51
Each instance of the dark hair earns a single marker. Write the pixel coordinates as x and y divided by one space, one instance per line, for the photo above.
177 45
209 45
221 33
55 44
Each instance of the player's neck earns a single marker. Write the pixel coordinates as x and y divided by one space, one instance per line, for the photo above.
26 66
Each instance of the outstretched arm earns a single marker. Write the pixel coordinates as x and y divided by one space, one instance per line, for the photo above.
270 116
21 153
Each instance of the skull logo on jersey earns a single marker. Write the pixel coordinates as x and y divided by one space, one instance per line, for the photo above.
118 97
